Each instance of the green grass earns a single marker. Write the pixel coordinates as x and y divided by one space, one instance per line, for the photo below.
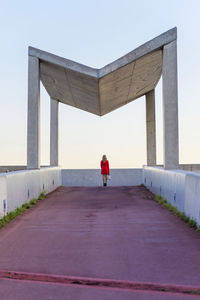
194 292
191 222
142 185
42 195
19 210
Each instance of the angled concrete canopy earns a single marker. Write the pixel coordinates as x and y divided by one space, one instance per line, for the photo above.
100 91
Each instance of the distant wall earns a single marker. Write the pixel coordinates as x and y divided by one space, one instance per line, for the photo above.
4 169
10 168
187 167
19 187
92 177
180 188
190 167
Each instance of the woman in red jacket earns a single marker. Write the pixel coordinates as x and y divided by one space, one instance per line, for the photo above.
105 171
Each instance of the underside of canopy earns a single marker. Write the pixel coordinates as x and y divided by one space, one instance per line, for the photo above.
100 91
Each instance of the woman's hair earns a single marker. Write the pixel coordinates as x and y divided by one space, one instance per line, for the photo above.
104 158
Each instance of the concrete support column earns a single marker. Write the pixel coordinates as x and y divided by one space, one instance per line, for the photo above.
151 128
170 106
33 130
54 133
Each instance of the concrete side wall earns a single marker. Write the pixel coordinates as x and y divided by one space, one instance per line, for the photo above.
92 177
180 188
192 196
21 186
3 194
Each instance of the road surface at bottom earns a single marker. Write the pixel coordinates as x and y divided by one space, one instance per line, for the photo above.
99 243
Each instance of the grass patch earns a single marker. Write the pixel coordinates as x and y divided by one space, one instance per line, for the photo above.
194 292
19 210
191 222
33 201
42 196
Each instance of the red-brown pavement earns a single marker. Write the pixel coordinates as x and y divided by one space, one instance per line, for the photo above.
117 233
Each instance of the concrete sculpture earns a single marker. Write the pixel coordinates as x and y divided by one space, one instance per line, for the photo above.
100 91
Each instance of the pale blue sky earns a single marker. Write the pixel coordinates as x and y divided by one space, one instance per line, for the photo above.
95 33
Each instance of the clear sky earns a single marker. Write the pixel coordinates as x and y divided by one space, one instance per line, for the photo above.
96 33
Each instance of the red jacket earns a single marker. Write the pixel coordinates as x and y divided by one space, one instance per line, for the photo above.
105 168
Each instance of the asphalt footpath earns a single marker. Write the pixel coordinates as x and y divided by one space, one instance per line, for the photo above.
99 243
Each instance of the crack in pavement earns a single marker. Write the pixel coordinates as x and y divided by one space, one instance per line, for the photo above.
103 283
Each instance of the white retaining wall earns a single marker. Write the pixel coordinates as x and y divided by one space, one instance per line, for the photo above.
92 177
19 187
192 196
180 188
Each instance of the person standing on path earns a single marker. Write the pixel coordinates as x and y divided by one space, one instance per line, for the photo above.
105 171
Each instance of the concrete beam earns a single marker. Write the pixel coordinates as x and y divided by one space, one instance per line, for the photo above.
151 128
170 106
63 62
148 47
33 130
54 133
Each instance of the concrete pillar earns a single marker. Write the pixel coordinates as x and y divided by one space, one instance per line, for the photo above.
170 106
54 133
33 130
151 128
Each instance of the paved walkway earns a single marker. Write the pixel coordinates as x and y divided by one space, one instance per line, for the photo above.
112 240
